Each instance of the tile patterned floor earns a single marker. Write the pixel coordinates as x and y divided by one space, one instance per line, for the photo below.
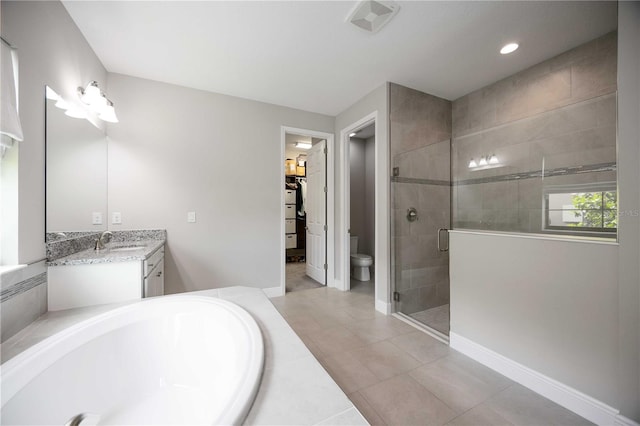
396 375
296 278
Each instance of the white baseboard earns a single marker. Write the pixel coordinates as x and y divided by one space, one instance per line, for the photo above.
383 307
273 291
572 399
625 421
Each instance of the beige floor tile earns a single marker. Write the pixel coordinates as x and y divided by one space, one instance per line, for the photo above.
366 410
385 360
522 406
350 374
480 415
403 401
460 382
335 340
379 328
421 346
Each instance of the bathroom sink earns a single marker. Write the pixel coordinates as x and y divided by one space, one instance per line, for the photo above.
126 248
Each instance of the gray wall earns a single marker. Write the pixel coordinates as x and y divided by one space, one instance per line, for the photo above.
177 150
357 196
629 221
548 305
51 51
368 246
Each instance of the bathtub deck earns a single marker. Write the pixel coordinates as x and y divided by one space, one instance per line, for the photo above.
295 389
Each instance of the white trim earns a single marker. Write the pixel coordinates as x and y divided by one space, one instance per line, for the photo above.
273 292
383 307
566 396
330 240
625 421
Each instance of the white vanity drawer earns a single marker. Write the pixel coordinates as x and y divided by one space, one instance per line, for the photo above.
289 211
290 226
289 196
291 241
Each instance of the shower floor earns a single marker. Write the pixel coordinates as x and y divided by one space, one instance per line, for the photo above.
436 318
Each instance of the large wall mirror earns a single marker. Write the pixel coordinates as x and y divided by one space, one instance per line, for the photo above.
76 177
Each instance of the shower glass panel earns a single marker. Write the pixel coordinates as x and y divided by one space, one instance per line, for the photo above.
421 193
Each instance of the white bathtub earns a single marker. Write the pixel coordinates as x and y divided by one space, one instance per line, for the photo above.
170 360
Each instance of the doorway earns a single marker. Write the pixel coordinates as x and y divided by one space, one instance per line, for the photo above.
362 209
305 206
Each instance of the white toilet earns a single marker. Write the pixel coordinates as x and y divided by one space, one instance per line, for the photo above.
360 262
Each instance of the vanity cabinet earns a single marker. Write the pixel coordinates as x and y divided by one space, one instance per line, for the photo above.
154 275
78 285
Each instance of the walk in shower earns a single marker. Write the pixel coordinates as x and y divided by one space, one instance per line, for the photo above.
534 153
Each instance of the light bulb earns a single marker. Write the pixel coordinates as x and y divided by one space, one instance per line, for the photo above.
483 161
472 164
493 159
108 113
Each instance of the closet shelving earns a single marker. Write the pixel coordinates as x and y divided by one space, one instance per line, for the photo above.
295 219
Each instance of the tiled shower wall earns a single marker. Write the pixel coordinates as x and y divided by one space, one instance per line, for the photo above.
420 130
548 125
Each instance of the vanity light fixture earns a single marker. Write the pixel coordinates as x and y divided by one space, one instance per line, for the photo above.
90 94
303 145
108 113
75 112
509 48
97 102
485 162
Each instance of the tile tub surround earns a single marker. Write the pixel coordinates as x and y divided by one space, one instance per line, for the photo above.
23 297
295 389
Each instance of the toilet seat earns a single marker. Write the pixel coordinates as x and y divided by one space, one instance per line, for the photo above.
361 260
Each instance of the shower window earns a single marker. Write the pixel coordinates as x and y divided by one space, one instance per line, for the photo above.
578 209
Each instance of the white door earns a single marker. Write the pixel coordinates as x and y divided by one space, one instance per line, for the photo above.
315 206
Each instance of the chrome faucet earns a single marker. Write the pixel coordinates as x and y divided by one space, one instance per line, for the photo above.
100 241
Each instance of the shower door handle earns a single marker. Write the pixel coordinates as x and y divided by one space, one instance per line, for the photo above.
439 239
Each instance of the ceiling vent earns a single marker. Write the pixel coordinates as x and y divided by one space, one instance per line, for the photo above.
371 15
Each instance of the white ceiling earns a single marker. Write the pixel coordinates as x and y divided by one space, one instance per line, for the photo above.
303 54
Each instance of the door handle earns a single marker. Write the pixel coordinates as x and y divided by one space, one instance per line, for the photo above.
439 238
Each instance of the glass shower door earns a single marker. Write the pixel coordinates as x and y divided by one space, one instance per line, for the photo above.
421 194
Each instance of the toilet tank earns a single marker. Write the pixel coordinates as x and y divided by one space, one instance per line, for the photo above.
354 245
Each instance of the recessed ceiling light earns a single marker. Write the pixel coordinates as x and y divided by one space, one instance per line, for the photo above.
508 48
352 134
303 145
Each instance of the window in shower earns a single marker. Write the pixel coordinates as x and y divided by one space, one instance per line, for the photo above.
582 209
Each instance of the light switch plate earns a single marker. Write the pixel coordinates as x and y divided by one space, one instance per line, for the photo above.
191 217
96 218
116 218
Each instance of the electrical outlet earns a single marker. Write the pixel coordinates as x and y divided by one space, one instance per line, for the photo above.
96 218
191 217
116 218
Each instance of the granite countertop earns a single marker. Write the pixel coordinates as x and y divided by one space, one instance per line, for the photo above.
139 250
